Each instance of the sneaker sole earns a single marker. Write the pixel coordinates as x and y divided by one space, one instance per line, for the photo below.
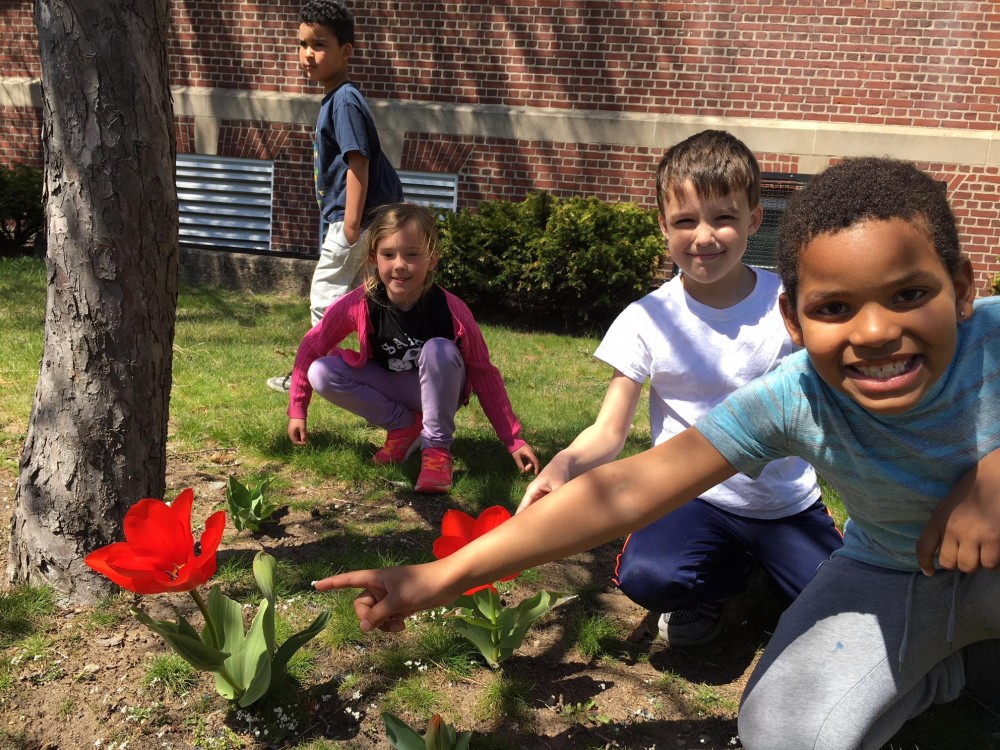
424 490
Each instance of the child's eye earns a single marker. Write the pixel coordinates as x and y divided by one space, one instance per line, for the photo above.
832 309
911 295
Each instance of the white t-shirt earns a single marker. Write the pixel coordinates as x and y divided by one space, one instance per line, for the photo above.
694 356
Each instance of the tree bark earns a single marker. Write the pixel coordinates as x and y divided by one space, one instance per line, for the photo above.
96 441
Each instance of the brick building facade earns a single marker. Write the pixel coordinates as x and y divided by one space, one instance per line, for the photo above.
582 97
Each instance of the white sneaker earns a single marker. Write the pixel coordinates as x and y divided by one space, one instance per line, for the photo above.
281 384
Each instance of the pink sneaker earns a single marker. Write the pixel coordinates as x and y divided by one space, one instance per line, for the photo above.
435 471
399 444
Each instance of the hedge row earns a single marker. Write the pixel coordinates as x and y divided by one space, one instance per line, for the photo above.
580 259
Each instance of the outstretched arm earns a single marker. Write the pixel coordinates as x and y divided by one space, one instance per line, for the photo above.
602 504
965 529
596 445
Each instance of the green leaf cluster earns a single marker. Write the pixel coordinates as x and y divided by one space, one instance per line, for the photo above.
496 630
246 664
440 735
580 259
249 507
21 210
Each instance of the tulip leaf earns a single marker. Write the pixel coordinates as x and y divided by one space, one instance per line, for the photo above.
183 639
513 623
264 566
249 507
227 621
499 631
440 735
401 737
487 601
483 637
251 665
294 642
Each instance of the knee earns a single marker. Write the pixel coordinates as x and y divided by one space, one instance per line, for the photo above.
652 584
326 373
440 354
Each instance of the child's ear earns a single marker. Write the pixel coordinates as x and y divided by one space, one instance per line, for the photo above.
662 221
965 290
756 219
791 319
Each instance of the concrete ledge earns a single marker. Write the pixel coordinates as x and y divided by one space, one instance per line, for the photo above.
814 143
247 272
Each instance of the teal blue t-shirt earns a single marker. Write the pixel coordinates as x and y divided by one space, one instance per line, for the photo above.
891 471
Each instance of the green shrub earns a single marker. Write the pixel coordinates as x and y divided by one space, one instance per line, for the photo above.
579 260
21 210
592 260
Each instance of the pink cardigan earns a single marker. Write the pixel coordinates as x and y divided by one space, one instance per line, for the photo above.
349 314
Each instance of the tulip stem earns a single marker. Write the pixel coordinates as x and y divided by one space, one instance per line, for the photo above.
210 626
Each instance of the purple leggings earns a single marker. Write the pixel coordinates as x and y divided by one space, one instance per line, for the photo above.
388 399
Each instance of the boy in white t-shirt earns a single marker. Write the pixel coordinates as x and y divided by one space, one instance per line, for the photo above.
696 339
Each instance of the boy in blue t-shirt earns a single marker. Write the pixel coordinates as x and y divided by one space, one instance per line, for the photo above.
353 176
895 401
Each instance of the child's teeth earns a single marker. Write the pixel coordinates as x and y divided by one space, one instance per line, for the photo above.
883 371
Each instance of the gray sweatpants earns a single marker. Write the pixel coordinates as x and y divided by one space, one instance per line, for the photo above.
862 650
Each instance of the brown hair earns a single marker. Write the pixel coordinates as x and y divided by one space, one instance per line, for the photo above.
716 162
389 219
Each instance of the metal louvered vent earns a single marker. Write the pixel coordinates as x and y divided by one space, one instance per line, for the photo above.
431 189
775 190
224 203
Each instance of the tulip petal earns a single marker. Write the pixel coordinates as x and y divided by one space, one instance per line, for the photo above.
489 519
158 554
154 525
457 523
489 586
447 545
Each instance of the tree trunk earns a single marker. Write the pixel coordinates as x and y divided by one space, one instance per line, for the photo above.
96 441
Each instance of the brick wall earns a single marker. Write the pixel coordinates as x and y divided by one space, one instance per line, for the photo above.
861 62
889 62
21 136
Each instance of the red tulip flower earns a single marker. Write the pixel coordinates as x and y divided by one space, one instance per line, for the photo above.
458 529
158 554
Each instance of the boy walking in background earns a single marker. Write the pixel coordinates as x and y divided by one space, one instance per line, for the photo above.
696 339
353 176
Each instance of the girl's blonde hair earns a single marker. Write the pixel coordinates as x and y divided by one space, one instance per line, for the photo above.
389 219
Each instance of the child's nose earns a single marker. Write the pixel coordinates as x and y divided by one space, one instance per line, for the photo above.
704 234
874 327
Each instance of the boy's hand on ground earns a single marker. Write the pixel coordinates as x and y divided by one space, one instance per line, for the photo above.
297 431
389 595
964 530
526 459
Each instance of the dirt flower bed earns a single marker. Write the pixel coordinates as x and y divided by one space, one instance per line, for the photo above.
82 678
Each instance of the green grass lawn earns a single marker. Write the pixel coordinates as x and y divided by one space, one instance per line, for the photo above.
227 344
